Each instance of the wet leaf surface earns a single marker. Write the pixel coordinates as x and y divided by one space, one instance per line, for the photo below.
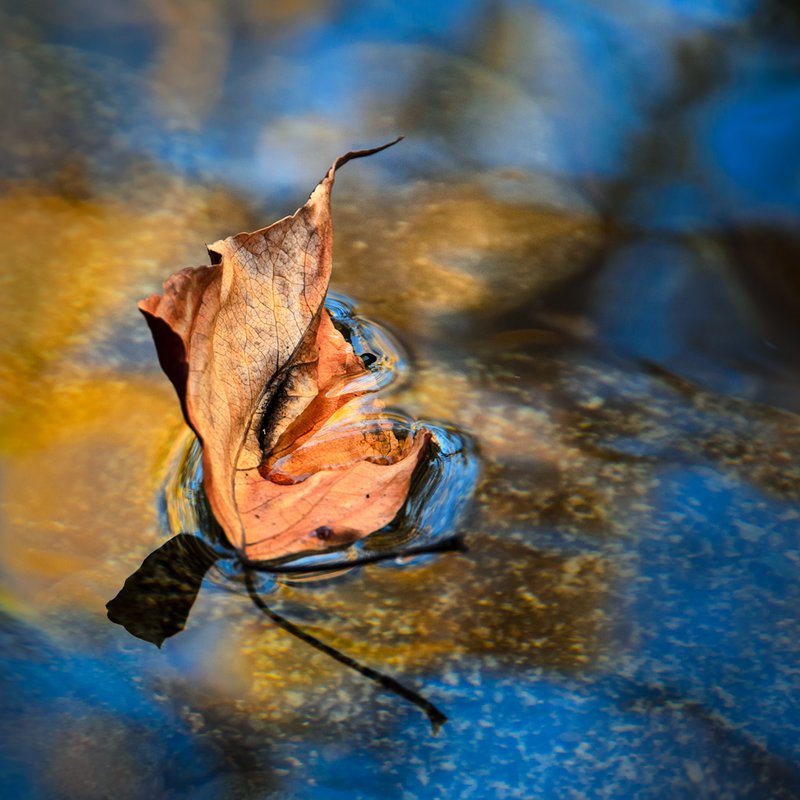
296 456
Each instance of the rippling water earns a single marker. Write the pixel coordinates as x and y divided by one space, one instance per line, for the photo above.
441 489
581 264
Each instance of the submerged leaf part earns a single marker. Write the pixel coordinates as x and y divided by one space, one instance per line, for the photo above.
155 601
297 453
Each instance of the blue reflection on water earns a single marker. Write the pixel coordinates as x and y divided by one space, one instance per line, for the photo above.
753 139
701 701
733 614
608 738
570 89
84 703
661 298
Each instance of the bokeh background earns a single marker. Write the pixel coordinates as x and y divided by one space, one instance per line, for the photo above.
588 243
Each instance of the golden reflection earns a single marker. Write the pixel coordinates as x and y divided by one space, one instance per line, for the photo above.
72 268
79 489
454 250
192 59
81 440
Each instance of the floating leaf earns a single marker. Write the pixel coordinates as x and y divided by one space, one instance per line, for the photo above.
298 455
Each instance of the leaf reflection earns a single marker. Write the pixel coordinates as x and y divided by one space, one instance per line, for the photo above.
155 601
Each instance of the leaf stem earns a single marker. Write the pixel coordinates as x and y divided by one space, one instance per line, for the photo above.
453 544
436 717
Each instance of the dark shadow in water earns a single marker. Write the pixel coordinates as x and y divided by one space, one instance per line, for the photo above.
765 259
777 776
155 601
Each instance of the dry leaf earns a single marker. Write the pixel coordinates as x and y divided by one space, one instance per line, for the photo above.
297 455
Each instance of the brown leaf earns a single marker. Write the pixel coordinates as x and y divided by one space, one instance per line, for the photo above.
297 456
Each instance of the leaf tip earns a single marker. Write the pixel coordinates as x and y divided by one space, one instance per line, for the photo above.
371 151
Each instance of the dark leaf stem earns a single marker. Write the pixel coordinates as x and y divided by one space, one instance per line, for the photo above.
436 717
449 545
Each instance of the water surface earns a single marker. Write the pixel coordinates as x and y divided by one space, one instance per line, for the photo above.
587 245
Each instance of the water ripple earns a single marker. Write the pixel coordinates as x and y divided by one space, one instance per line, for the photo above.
439 497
